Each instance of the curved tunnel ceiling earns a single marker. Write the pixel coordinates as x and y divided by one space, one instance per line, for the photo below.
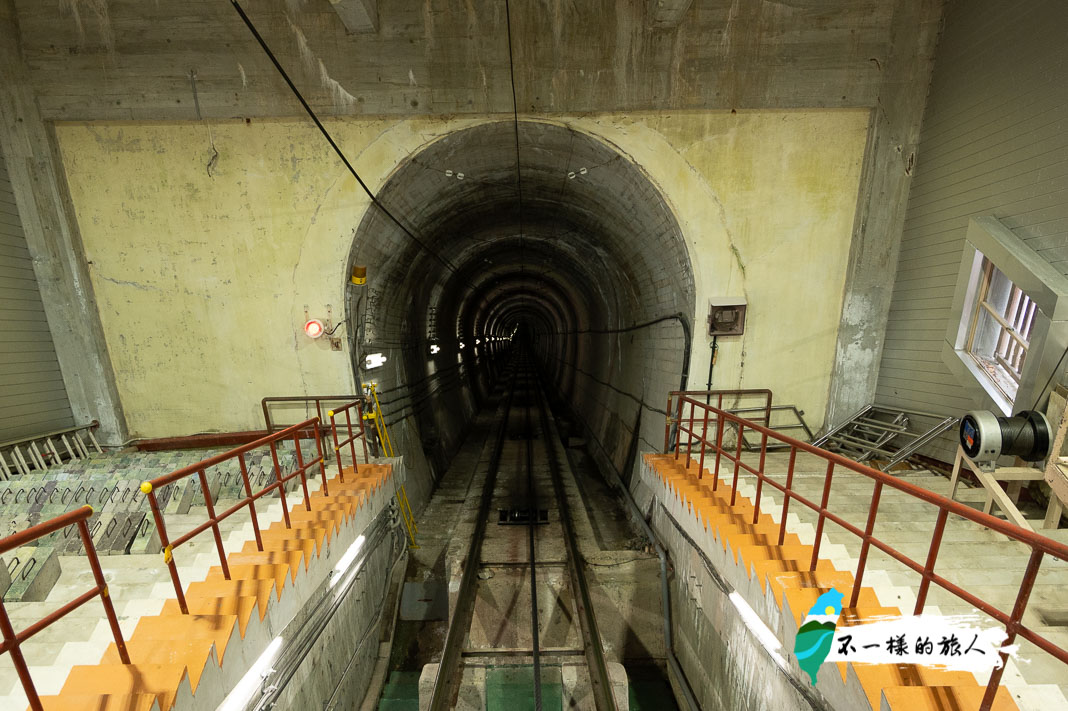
589 246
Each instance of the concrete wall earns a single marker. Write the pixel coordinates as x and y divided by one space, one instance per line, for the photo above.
203 279
993 143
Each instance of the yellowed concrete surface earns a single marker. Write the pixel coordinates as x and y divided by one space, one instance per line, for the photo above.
203 280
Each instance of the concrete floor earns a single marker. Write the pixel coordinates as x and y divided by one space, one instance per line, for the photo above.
623 578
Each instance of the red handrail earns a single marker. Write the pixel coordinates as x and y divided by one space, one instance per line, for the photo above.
293 432
719 395
12 640
353 435
305 400
1039 545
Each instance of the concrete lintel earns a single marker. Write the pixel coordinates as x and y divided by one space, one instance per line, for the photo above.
667 13
37 178
359 16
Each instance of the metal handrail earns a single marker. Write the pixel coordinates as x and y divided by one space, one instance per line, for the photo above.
293 432
353 435
719 394
1039 545
12 640
306 399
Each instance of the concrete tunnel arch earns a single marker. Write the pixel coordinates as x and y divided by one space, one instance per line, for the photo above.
592 257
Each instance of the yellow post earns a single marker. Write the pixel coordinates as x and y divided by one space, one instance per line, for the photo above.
406 513
380 424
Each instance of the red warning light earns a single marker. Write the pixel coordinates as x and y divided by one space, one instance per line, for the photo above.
314 328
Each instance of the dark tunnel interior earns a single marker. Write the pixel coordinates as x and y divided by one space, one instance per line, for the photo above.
577 246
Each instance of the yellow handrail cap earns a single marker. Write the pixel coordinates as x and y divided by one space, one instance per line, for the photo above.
146 487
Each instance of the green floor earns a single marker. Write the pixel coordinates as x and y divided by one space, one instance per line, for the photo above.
401 692
510 689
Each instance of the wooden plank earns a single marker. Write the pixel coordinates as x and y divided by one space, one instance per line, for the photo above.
1002 500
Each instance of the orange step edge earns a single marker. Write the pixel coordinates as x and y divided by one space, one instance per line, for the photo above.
786 569
167 648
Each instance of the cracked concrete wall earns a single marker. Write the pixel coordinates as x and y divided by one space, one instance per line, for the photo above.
203 280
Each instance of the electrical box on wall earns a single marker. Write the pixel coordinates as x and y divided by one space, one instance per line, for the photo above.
726 316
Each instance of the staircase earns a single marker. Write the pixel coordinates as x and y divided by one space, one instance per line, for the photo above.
977 559
139 586
981 561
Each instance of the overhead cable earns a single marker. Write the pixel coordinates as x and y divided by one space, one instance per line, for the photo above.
330 139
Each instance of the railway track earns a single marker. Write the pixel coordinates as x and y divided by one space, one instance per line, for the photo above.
523 600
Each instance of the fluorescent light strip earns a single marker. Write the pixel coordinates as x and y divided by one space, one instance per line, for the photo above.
250 683
756 625
347 560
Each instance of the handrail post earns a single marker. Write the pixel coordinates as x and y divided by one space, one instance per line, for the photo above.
869 527
760 476
352 439
102 587
932 556
214 523
823 516
786 494
719 447
1026 585
302 470
165 546
251 502
337 446
689 440
737 463
19 661
322 459
678 429
266 416
280 485
704 443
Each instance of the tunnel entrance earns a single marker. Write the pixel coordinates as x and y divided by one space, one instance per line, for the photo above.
573 246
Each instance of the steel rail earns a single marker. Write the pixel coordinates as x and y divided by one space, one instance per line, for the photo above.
445 684
532 522
600 681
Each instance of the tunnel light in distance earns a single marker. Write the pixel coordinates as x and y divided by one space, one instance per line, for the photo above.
374 360
251 682
478 341
314 328
434 350
461 345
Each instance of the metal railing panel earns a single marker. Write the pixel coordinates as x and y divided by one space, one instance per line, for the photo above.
691 418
